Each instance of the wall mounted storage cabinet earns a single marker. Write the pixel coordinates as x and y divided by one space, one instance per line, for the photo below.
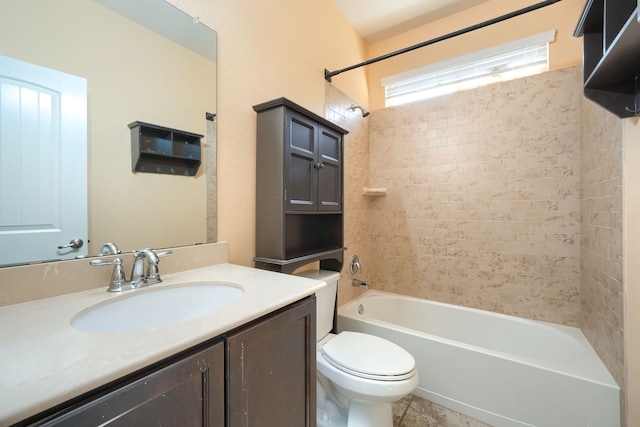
157 149
611 54
299 188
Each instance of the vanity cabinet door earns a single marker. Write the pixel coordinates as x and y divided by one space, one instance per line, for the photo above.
187 393
272 370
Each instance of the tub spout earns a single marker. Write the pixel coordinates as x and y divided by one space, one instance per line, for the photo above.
361 283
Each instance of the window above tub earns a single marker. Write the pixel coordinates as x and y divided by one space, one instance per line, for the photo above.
515 59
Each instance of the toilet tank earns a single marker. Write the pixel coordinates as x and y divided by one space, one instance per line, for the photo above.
325 299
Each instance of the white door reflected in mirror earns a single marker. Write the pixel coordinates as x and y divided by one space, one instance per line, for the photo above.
43 163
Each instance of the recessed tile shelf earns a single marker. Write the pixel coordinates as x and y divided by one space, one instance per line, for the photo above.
374 192
158 149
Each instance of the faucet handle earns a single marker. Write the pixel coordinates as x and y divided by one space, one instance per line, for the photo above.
118 278
153 274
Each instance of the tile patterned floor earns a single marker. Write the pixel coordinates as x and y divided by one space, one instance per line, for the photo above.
413 411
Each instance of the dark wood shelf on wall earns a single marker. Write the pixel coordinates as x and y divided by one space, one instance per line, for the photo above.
299 188
611 54
158 149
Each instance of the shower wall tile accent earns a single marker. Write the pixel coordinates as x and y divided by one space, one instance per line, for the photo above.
356 176
483 204
601 291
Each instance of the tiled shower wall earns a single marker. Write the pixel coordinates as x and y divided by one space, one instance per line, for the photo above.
507 198
601 288
483 203
356 173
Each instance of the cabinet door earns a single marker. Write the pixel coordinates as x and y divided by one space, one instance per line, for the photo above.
272 371
330 170
300 163
187 393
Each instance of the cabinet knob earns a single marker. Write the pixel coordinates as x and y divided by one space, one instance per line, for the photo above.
319 165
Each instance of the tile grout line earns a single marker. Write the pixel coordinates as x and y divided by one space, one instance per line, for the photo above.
405 411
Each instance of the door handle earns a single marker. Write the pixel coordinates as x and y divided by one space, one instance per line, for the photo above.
73 243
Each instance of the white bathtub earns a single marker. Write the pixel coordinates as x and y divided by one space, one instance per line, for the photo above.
503 370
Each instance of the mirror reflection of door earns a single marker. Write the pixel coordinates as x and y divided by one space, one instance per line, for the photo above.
43 163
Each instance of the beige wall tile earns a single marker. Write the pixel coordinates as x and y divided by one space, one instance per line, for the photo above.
601 290
483 206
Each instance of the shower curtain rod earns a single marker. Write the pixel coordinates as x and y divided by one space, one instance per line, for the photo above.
329 74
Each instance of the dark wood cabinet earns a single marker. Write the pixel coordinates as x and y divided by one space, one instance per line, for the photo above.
299 188
312 165
272 371
262 374
611 54
187 392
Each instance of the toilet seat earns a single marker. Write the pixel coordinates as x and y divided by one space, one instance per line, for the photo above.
368 356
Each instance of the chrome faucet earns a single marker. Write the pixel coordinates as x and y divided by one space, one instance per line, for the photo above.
109 249
139 275
118 280
361 283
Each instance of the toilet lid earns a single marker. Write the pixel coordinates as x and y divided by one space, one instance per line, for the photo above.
369 356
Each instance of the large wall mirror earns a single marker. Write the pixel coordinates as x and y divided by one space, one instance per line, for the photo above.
143 60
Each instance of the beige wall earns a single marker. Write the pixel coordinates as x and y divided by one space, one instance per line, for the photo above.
127 71
564 52
268 49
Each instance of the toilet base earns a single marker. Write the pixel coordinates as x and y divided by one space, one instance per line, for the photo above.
333 410
330 419
360 415
370 415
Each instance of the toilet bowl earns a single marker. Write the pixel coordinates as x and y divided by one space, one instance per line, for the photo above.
359 376
363 378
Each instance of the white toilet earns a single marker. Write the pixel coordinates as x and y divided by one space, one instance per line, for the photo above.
359 376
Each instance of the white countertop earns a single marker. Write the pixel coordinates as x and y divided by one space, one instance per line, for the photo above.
44 361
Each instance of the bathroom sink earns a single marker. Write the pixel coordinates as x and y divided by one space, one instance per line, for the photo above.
152 308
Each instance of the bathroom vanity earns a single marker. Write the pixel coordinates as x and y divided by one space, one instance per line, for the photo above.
251 363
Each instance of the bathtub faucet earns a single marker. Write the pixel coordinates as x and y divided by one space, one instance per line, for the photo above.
361 283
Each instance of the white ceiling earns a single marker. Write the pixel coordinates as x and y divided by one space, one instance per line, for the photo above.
376 20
